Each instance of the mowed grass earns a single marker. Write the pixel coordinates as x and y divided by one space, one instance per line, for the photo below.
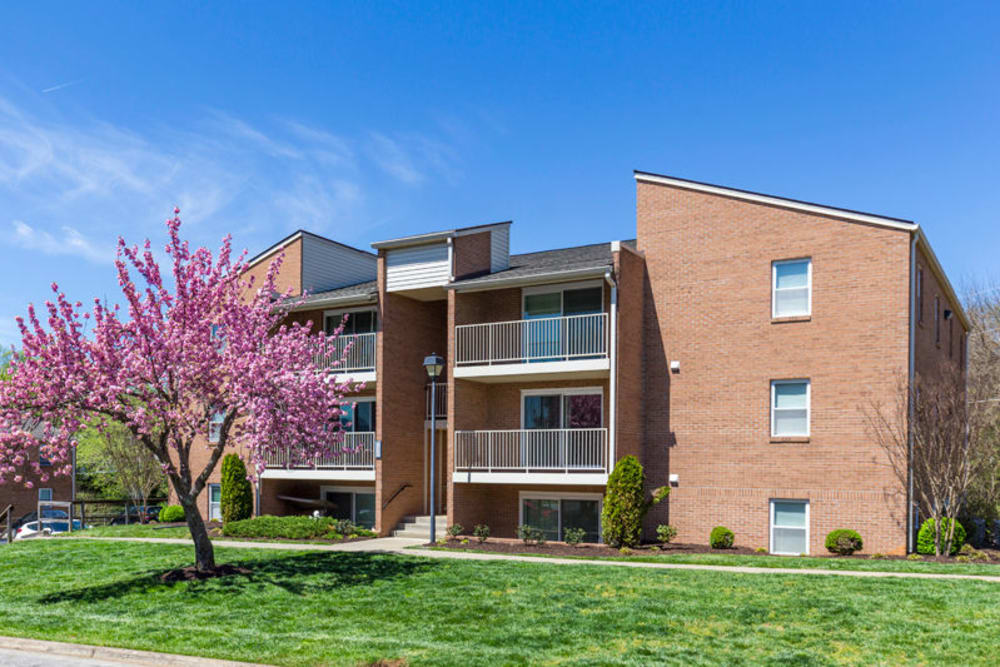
322 608
132 530
789 562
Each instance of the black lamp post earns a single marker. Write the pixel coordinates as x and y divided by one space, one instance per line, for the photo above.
433 364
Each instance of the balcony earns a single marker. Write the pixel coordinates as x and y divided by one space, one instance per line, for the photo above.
358 365
550 456
544 348
356 464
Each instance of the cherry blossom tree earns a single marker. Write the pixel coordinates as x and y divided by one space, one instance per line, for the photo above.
209 342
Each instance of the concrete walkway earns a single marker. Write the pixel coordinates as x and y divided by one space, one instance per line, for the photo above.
19 652
403 546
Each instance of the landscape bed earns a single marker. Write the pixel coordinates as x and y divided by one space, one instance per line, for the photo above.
702 554
454 612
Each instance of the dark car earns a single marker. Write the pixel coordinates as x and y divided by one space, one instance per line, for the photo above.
137 514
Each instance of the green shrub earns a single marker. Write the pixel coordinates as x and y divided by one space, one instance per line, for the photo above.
665 533
879 556
760 550
573 536
529 534
625 503
914 557
291 528
482 532
345 527
843 541
625 551
925 537
171 514
721 538
454 530
237 494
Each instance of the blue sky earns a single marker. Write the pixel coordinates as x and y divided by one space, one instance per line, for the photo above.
365 122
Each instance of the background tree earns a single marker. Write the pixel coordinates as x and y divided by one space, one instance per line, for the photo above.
983 307
237 494
209 341
127 469
947 450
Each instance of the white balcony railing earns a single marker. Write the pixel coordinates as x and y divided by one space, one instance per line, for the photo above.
543 450
360 356
361 456
524 341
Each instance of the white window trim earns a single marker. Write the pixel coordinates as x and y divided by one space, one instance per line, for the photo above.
363 399
45 500
809 286
559 288
555 495
562 392
770 532
353 490
334 312
808 382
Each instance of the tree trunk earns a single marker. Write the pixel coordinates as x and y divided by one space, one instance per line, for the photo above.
204 553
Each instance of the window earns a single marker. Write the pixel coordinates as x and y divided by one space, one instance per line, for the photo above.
951 336
44 495
355 504
792 288
217 333
554 514
920 295
358 418
358 321
790 527
937 320
215 426
789 408
215 502
554 338
562 408
562 428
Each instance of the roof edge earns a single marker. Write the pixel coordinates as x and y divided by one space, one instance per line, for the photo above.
431 237
774 200
942 277
270 250
477 285
359 299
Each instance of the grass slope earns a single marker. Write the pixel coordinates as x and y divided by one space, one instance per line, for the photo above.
322 608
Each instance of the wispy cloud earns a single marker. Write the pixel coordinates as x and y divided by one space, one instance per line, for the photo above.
70 242
52 89
394 159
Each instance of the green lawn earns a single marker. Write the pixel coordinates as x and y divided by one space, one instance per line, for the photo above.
795 562
322 608
133 530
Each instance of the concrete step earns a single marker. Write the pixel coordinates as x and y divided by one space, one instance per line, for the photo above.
418 533
419 527
423 520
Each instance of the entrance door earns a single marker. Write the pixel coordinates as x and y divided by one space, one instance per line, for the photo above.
341 505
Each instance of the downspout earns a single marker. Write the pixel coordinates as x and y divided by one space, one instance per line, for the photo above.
613 379
910 390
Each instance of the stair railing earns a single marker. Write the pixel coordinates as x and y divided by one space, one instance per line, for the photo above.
402 486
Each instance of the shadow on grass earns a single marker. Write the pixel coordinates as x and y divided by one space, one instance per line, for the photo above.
312 572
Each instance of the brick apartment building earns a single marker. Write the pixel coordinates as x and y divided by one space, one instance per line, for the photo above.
730 346
23 499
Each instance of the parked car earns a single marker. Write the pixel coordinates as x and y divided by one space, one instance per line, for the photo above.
49 527
47 513
137 514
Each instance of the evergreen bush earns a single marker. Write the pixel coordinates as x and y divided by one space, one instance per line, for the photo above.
237 494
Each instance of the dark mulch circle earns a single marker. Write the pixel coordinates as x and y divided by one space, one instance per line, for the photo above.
191 573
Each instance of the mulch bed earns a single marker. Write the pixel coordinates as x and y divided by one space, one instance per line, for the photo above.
192 573
509 546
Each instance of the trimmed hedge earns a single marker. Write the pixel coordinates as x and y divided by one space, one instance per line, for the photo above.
625 503
237 494
843 541
925 537
293 528
721 538
171 514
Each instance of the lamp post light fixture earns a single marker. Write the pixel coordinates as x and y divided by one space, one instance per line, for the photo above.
433 364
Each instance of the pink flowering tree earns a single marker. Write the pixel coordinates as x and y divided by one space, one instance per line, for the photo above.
210 342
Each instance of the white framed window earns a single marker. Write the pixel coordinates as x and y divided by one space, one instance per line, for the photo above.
580 298
359 416
44 495
576 407
215 426
789 527
359 320
791 288
215 502
790 407
356 503
554 513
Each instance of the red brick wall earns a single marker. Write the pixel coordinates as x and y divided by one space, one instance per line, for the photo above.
471 255
25 500
932 356
630 273
410 330
708 260
290 276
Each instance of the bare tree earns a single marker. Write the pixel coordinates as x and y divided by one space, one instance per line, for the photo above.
933 433
983 350
137 470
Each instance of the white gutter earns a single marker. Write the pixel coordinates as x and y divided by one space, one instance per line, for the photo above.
909 394
613 378
354 299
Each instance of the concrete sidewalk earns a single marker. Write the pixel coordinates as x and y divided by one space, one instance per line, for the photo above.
404 546
19 652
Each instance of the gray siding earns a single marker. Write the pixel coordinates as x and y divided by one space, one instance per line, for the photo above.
327 266
417 267
499 249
